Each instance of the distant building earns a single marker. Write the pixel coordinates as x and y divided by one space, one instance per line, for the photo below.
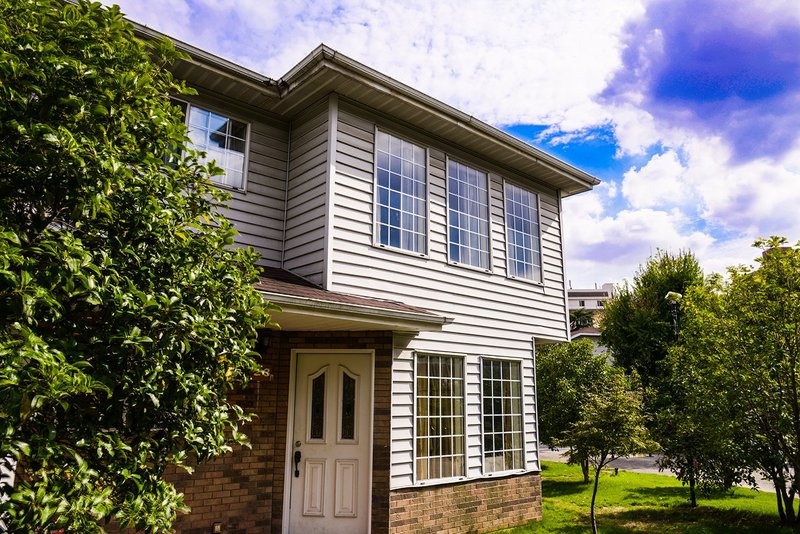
583 324
590 299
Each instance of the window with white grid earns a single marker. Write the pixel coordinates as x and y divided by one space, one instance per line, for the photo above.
439 417
224 140
468 215
401 194
522 233
502 416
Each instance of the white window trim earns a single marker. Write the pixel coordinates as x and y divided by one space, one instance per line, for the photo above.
538 194
506 472
437 481
246 164
450 260
375 230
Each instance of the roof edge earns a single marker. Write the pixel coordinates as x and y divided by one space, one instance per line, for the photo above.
324 53
284 300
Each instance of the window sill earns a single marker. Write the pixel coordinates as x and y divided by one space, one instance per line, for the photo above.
438 481
229 188
470 267
495 474
400 250
526 281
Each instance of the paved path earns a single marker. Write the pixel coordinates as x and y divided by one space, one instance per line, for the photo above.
638 464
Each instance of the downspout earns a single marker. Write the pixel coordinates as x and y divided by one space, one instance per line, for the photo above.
563 264
536 405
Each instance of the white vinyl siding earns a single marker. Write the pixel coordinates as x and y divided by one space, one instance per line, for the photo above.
257 209
522 233
306 200
493 316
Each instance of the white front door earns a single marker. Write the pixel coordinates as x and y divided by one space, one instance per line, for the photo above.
330 472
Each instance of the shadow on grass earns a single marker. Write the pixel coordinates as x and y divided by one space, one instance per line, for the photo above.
682 492
690 520
562 488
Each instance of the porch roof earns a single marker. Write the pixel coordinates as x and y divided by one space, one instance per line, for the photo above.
307 307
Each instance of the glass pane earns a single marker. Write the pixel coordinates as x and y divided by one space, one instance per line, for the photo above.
348 407
443 430
317 407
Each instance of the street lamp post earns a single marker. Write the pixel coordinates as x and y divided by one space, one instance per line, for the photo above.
673 298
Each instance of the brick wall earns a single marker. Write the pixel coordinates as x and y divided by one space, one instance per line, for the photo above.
244 490
474 506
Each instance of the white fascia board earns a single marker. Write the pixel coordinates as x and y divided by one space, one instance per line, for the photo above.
396 319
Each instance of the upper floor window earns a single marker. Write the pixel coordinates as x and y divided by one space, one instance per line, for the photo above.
224 140
401 194
522 233
468 215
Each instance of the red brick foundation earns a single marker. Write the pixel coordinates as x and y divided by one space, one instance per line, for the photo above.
474 506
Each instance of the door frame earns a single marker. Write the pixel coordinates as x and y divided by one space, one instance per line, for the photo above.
287 477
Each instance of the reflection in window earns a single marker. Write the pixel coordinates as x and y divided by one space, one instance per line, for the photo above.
317 425
348 422
401 194
502 416
468 215
224 140
440 417
522 233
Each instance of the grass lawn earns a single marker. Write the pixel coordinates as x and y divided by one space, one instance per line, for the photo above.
637 502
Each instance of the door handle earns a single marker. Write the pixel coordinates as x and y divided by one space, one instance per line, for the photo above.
297 456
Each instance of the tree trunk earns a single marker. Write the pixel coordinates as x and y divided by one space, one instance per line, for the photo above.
585 470
787 496
780 489
692 491
788 507
779 497
594 495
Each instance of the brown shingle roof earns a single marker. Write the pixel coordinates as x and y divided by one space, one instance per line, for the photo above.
282 282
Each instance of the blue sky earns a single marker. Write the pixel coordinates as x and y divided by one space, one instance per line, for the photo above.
689 111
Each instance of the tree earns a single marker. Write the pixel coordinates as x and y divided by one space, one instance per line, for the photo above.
637 323
125 316
751 346
611 425
699 426
580 318
638 329
565 375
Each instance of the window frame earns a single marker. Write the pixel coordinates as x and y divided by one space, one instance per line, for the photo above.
450 260
375 205
540 282
523 457
462 361
245 163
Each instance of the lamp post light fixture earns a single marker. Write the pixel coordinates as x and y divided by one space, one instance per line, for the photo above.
673 298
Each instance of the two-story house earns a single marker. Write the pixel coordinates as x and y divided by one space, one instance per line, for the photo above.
416 253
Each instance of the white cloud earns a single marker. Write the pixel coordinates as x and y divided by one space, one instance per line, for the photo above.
659 183
504 62
705 203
